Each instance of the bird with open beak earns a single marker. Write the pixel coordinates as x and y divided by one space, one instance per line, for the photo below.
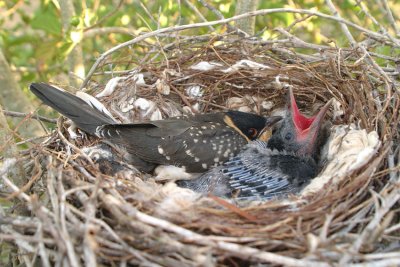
282 165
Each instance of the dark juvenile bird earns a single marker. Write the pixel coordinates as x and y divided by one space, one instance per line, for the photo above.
284 164
194 142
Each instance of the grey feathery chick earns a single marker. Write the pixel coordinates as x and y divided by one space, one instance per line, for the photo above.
263 170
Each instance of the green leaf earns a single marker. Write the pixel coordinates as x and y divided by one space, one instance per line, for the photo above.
47 20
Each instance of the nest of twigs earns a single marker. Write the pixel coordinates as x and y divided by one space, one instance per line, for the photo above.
81 214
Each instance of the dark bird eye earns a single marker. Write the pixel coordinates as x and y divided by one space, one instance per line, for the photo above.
252 133
288 136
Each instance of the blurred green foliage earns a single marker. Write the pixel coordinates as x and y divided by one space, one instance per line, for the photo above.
32 39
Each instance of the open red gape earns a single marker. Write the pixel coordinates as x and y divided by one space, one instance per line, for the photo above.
303 125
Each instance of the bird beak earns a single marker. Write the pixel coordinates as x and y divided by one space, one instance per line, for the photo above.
266 132
306 128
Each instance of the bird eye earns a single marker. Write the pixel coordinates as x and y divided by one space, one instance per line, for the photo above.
252 133
288 136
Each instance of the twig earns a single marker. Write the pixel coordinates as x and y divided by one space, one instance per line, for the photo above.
55 178
368 59
198 13
220 16
389 14
28 115
381 263
380 212
393 174
345 30
19 239
189 236
157 22
28 184
300 43
107 30
32 239
12 10
392 228
90 211
224 21
109 14
364 9
29 140
41 247
8 165
65 140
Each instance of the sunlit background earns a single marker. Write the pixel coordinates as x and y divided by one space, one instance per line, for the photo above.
33 43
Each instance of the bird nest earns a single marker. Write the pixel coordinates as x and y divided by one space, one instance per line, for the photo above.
81 211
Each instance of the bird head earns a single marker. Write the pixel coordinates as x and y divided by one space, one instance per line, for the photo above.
298 133
251 126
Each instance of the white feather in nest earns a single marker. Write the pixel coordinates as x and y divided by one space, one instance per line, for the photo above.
348 149
245 64
171 199
205 66
172 173
110 87
113 83
241 64
130 109
194 91
175 200
146 110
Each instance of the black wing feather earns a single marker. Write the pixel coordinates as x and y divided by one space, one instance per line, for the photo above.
81 113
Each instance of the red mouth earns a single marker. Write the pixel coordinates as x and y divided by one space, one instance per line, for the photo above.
306 127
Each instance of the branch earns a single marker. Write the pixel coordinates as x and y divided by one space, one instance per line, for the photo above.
194 8
102 19
220 16
342 25
225 21
28 115
189 236
106 30
389 14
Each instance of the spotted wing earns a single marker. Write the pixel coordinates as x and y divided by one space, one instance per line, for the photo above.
202 146
143 139
196 143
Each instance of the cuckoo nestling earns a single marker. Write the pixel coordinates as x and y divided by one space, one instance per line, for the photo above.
195 143
262 170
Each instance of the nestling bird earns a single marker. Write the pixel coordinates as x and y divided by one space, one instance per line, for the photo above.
284 164
195 143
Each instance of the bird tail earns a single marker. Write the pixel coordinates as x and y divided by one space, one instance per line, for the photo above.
86 112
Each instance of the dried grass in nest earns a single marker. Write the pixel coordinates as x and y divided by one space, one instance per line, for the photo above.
79 214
